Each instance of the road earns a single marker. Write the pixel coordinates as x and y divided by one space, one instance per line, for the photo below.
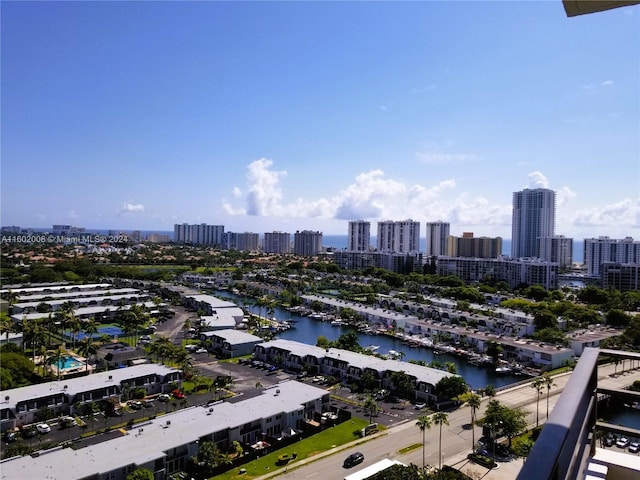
456 437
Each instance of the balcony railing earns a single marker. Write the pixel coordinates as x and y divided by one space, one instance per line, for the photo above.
568 440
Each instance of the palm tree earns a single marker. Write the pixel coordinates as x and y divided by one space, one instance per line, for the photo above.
548 382
87 348
371 406
474 402
439 418
538 385
424 424
6 324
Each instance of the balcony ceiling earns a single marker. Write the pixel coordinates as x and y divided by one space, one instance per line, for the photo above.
581 7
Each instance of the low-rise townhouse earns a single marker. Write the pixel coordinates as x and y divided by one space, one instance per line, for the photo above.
349 366
21 405
230 343
165 444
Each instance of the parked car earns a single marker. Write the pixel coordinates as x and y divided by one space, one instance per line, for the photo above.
29 432
135 405
420 406
353 460
623 442
610 440
163 397
177 394
201 350
10 437
147 403
43 428
67 422
634 447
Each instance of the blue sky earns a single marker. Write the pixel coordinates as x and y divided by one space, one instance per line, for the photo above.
265 116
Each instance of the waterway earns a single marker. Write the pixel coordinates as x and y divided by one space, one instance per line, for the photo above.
307 330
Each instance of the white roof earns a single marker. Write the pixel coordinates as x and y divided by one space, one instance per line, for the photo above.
157 437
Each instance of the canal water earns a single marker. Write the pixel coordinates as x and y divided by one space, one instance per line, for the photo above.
307 330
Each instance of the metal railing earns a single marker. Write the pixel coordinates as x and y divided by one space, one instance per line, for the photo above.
568 440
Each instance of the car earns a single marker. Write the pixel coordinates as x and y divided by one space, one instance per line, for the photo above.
420 406
201 350
353 460
164 398
192 347
623 442
10 437
634 447
147 403
610 440
67 422
43 428
135 405
29 432
178 394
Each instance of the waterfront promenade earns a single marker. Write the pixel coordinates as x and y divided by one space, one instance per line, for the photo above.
456 439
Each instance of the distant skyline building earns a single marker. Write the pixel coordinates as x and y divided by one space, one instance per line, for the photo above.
601 250
474 247
307 243
398 237
533 223
437 238
359 236
277 242
562 251
198 234
246 242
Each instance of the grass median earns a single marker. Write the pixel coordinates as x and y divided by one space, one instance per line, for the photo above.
321 442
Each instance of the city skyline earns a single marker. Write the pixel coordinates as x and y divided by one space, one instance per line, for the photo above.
142 115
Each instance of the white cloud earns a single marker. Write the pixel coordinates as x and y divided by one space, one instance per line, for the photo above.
564 196
537 180
130 208
72 215
431 157
623 214
264 196
606 83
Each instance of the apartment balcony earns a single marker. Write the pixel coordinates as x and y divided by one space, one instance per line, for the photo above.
567 447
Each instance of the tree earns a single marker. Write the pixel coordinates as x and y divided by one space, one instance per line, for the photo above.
141 474
424 424
440 418
538 385
371 406
451 387
548 382
473 401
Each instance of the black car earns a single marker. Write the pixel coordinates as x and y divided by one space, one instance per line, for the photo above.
353 460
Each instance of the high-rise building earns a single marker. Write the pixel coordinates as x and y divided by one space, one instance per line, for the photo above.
533 223
307 243
474 247
598 251
359 239
399 237
437 237
277 242
200 234
246 242
562 251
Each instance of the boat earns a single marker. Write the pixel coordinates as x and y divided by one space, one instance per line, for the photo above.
503 370
393 354
337 322
372 348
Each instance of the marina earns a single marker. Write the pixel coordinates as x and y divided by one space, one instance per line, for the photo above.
477 370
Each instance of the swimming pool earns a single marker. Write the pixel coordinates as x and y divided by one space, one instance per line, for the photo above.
68 362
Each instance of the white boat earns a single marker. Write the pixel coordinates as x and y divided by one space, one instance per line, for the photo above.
393 354
337 322
372 348
503 369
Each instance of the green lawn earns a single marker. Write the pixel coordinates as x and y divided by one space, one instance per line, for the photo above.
321 442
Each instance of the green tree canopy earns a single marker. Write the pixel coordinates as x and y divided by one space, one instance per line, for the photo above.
451 387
